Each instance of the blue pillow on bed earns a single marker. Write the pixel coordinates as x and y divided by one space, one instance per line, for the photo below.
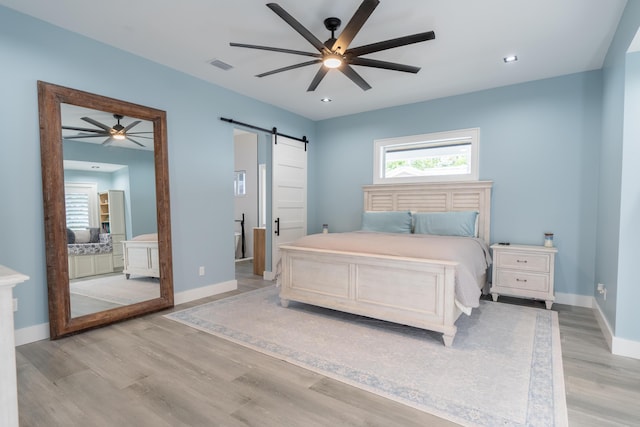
461 223
71 236
387 222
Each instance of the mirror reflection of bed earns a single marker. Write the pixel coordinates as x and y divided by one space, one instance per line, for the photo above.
110 212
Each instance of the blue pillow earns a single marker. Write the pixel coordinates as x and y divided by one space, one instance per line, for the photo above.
461 223
387 222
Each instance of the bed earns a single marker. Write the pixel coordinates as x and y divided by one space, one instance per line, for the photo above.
399 287
141 256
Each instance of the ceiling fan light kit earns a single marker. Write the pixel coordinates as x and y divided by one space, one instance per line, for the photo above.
332 61
335 53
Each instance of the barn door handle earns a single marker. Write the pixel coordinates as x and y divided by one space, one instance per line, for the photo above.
277 226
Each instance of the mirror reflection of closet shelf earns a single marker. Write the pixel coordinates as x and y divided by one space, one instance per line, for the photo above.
112 221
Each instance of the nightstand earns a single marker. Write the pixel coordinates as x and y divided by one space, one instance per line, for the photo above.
523 271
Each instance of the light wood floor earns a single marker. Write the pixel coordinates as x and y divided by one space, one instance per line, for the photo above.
152 371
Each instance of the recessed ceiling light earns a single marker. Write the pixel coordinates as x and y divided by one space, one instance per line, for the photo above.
510 58
325 99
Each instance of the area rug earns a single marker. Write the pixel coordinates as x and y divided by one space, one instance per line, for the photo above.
503 369
117 288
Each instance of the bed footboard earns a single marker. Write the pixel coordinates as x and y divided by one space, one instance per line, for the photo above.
408 291
141 258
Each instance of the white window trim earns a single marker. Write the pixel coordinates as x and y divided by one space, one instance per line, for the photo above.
91 189
429 139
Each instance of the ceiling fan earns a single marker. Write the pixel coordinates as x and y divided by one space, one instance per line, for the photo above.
115 132
335 53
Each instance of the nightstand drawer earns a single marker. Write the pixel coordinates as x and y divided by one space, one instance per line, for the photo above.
523 261
519 280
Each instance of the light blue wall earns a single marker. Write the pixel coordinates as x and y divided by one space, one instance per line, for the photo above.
200 149
538 142
627 314
103 180
616 253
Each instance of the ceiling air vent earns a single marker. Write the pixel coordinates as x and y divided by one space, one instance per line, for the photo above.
222 65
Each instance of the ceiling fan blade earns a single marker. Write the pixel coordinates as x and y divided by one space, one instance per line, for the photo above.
131 125
355 77
276 49
97 123
290 67
351 29
366 62
389 44
107 141
134 141
297 26
101 135
317 79
140 135
83 129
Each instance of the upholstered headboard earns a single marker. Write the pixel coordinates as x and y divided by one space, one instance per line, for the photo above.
434 197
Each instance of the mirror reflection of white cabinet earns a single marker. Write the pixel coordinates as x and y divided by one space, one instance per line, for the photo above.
112 221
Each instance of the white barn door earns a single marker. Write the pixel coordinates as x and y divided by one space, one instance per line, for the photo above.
289 194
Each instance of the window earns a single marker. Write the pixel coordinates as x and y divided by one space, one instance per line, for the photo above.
81 202
443 156
239 183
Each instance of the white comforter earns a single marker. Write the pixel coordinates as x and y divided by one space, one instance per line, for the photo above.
472 254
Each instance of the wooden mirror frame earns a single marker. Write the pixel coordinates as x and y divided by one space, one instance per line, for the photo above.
50 97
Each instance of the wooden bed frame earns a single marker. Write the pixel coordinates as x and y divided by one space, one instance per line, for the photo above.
410 291
141 258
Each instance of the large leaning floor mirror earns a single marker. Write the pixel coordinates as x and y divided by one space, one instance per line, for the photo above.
106 209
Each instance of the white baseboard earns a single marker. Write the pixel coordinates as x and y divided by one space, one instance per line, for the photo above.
604 325
626 348
618 346
575 300
205 291
32 334
41 332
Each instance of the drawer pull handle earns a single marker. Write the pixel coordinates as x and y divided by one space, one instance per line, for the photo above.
521 280
520 260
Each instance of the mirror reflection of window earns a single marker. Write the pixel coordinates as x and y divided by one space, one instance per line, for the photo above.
80 205
239 183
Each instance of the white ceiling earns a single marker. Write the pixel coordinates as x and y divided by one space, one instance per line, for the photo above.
550 38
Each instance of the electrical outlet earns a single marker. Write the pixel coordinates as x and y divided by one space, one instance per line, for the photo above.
15 304
602 290
201 271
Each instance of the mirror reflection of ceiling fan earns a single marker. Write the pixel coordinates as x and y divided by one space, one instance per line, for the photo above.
335 53
113 133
